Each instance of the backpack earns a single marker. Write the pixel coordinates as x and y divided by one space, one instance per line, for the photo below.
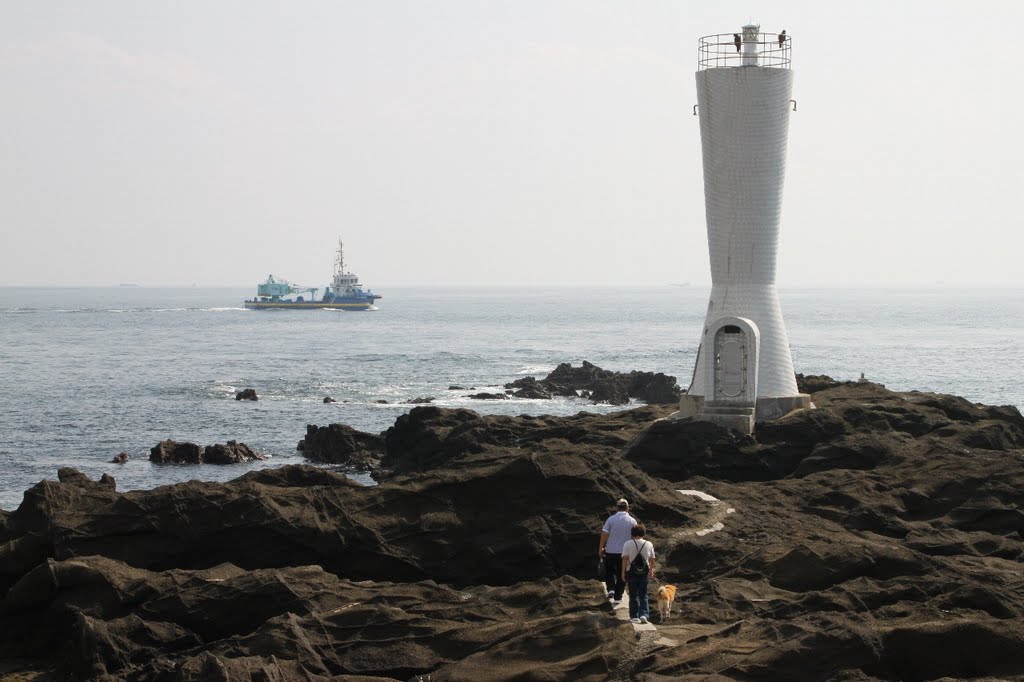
638 567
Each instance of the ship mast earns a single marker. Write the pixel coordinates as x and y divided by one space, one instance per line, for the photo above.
339 261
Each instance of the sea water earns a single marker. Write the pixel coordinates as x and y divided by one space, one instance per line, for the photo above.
88 373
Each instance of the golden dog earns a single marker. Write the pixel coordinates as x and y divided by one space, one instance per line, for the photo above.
666 595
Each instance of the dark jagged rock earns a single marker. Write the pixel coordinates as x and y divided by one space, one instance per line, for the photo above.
341 444
173 452
879 536
600 385
329 399
419 401
231 452
121 458
531 389
653 388
247 394
488 396
817 382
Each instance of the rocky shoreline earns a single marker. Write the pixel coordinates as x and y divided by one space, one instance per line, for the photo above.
879 536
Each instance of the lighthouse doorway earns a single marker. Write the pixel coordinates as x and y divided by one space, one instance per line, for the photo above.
731 363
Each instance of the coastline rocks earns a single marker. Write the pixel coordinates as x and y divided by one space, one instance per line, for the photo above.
433 438
225 622
488 396
329 399
173 452
492 514
879 536
419 401
813 383
600 385
121 458
247 394
341 444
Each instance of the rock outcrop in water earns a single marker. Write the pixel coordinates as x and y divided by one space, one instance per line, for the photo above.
877 537
341 444
173 452
246 394
600 385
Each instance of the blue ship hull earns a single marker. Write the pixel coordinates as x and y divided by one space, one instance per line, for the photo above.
339 303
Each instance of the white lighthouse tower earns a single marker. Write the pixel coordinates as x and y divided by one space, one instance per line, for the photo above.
744 370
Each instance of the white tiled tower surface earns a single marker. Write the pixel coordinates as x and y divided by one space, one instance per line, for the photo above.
744 125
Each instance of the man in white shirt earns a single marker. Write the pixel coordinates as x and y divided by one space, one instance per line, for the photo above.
615 534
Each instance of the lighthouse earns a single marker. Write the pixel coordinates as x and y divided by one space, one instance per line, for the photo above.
744 369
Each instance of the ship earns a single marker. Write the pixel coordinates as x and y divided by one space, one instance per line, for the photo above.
344 293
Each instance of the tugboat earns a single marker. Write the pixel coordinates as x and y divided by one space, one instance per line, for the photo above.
345 292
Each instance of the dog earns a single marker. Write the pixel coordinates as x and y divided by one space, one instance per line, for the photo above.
666 595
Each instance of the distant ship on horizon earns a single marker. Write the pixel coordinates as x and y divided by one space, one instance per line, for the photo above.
345 292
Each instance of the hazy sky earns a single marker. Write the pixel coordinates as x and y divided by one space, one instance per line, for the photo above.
468 141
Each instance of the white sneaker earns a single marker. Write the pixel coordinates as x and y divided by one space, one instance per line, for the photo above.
635 621
643 619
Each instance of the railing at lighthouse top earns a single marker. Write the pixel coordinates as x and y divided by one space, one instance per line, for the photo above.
751 47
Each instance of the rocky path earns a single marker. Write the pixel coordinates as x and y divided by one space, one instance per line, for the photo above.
710 520
647 636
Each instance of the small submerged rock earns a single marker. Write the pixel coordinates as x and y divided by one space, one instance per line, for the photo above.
247 394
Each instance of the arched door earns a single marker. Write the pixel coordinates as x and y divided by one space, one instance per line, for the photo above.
731 364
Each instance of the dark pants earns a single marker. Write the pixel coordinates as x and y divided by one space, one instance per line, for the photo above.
613 574
639 607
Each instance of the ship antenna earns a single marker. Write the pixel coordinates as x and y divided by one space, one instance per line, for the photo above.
339 262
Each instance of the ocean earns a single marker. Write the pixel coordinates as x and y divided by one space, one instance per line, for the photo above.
86 373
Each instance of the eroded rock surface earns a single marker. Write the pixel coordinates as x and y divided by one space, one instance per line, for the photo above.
879 536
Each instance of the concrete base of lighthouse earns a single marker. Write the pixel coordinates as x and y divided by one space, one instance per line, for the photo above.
773 408
766 409
736 417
